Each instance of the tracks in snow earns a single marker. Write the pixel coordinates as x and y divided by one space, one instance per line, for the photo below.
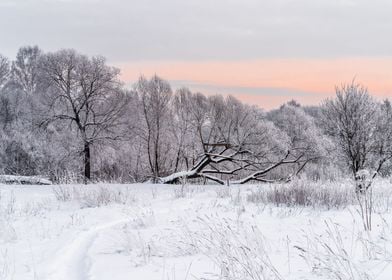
71 261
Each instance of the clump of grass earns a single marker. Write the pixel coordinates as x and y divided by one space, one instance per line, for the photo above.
63 193
6 267
304 193
223 191
238 250
183 190
329 254
104 196
93 197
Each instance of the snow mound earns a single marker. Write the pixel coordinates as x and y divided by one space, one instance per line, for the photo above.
24 180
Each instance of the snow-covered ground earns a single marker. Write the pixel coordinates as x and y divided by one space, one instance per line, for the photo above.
161 232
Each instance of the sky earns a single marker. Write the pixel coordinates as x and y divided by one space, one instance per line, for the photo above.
264 52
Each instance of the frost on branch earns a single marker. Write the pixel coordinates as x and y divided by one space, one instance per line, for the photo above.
239 145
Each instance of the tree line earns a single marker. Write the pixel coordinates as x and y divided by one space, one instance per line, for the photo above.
69 117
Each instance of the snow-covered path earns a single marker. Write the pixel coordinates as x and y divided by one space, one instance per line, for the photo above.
72 261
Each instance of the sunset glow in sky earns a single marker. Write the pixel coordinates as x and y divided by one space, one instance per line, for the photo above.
271 82
263 52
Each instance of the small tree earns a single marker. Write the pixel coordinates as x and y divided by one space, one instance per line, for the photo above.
361 129
351 119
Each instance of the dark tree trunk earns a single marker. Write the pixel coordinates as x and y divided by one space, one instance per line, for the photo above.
87 163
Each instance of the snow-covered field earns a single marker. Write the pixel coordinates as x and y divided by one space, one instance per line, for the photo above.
162 232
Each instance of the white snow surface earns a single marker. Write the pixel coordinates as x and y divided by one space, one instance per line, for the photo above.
163 232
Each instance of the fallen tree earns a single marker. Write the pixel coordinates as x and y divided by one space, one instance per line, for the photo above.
242 161
237 144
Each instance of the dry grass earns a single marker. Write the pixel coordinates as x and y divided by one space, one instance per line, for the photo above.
237 249
346 253
93 197
304 193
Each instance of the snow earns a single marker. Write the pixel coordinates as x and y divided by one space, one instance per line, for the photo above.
35 180
180 174
202 232
70 262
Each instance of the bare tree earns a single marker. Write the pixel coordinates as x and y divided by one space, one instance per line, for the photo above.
25 69
5 106
305 137
383 136
351 119
183 130
236 143
155 97
86 94
361 128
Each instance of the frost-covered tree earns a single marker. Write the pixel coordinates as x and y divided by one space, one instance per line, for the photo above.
7 109
383 135
85 94
155 100
81 107
17 155
352 119
124 161
25 69
25 149
306 138
4 70
182 129
234 143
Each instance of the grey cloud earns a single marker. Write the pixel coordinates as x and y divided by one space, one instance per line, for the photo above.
200 29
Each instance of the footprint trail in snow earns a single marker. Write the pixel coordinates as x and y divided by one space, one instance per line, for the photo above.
71 261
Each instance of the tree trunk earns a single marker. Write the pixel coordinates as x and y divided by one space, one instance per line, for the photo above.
87 163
